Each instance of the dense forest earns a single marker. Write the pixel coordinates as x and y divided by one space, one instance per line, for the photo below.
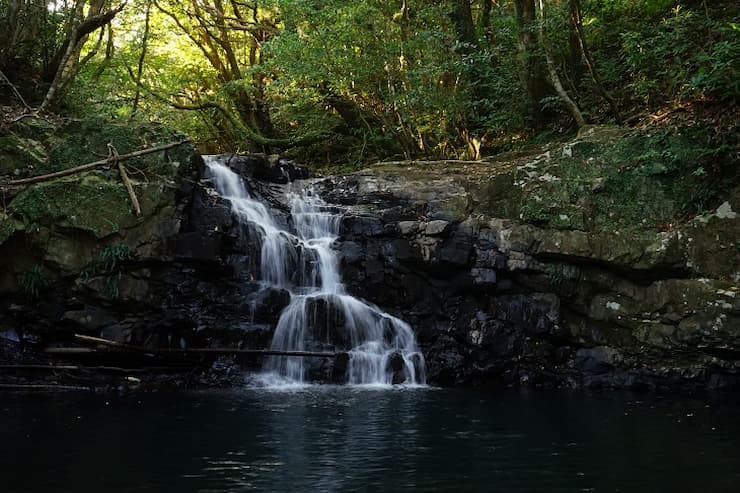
357 81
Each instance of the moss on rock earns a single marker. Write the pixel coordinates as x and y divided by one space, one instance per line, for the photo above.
607 179
20 155
36 148
93 203
96 201
61 223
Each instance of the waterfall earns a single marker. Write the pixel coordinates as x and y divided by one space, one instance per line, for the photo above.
382 348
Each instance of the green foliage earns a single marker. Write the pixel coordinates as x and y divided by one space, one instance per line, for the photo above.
667 50
350 82
718 72
691 163
31 34
33 282
108 264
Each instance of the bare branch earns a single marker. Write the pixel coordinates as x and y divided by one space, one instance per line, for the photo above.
94 164
15 90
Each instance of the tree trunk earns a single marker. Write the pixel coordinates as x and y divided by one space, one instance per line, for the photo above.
553 71
110 48
59 62
142 57
68 65
577 20
405 59
531 74
462 18
10 28
210 34
486 7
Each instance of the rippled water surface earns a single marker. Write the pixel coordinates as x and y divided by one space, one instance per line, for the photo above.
342 439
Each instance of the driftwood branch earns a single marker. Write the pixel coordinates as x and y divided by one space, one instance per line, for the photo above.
412 162
69 350
15 90
128 347
257 352
89 166
113 154
112 369
202 351
20 386
108 342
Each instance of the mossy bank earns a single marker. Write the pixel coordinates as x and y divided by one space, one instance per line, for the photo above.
57 227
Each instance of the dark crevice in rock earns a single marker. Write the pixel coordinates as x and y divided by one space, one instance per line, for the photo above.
640 276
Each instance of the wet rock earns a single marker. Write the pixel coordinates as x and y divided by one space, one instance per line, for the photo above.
395 362
407 228
456 250
270 169
118 333
495 297
362 225
224 372
339 370
196 245
483 276
398 249
396 366
436 228
375 271
266 305
327 322
351 252
90 318
597 360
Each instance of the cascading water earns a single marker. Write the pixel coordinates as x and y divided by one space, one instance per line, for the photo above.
382 349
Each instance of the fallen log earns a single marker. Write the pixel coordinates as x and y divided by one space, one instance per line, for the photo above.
28 386
263 352
412 162
112 369
153 351
124 178
69 350
108 342
89 166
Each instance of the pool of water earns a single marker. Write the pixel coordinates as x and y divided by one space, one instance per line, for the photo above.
351 439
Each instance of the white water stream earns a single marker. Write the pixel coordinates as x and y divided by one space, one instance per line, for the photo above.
305 264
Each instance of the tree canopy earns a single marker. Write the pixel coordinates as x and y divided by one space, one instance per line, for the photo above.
351 81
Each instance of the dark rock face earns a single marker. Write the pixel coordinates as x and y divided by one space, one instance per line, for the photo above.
272 169
501 302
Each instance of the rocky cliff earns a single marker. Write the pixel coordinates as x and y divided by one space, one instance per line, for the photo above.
570 266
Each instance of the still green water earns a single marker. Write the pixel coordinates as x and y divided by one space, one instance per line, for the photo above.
344 439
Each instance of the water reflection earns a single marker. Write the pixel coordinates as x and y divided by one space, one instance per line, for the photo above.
336 436
342 439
